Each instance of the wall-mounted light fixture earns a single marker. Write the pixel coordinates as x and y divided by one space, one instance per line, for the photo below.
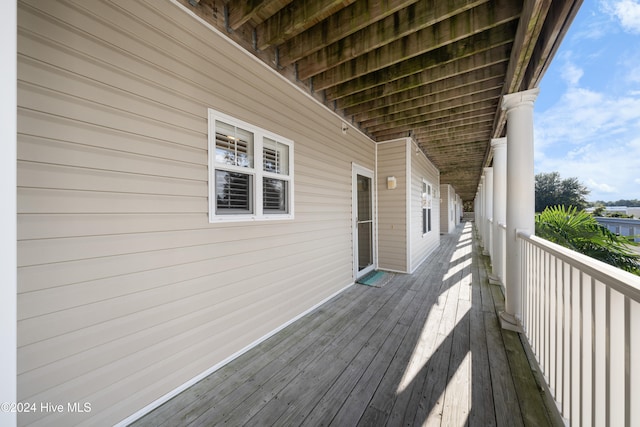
344 128
391 183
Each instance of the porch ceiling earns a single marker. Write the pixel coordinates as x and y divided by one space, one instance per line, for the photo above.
431 69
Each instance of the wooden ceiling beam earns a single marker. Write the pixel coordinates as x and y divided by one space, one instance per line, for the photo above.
461 156
242 11
477 149
436 125
482 132
411 58
436 118
437 102
559 16
466 174
428 112
420 70
438 143
427 126
340 25
436 106
410 32
533 16
456 85
462 162
295 18
477 131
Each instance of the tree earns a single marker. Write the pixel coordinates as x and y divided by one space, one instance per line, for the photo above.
599 210
577 230
551 190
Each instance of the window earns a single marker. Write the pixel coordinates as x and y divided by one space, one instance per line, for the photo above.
250 172
426 207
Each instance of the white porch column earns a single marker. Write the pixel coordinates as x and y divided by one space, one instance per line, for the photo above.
488 209
481 211
520 196
499 146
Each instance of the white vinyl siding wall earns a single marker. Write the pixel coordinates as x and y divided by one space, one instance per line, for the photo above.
125 290
422 245
447 209
392 206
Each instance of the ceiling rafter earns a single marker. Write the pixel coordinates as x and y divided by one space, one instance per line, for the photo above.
395 76
397 32
295 18
421 135
427 112
256 11
436 118
531 23
351 19
462 84
453 133
408 59
431 126
442 101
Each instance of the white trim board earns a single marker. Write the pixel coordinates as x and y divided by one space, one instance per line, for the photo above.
8 210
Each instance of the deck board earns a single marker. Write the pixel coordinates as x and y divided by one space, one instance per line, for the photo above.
425 349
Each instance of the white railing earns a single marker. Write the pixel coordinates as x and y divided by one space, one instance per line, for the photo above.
582 320
500 252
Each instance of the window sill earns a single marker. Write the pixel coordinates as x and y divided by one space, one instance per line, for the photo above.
250 218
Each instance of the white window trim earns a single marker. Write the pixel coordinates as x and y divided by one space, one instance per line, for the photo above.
257 172
429 201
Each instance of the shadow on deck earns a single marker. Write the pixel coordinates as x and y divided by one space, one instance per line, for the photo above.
425 349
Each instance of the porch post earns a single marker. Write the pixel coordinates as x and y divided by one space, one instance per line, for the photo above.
481 210
499 146
520 196
488 208
476 207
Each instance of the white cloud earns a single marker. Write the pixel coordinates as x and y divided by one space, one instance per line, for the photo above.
582 115
571 74
626 11
606 171
601 187
592 136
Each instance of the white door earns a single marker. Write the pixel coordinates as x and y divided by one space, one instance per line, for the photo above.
363 221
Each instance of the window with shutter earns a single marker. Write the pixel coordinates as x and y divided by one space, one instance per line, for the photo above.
251 172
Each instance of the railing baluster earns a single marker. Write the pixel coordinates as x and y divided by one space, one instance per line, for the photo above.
580 343
602 359
582 319
576 346
634 362
617 349
627 361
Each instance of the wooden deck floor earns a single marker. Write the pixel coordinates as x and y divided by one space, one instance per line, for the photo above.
425 349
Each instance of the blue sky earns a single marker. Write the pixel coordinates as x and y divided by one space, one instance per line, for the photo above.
587 116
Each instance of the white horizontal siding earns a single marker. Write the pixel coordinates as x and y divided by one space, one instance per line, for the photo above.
125 291
423 245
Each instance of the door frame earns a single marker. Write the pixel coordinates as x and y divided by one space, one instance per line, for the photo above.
355 171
